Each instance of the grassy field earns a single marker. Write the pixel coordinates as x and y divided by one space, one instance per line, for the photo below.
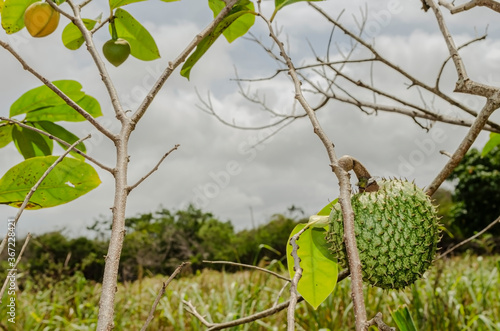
458 294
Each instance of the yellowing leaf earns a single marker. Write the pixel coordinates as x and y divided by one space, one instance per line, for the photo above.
13 14
70 179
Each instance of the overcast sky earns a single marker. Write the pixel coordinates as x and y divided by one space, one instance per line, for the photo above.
215 166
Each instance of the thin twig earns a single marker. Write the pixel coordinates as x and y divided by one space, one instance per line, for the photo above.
470 239
35 187
248 266
130 188
12 271
404 73
464 146
59 140
265 313
491 4
377 320
160 294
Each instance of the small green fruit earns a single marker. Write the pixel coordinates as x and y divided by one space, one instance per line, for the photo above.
397 232
116 51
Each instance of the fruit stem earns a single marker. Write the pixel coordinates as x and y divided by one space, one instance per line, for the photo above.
114 34
366 183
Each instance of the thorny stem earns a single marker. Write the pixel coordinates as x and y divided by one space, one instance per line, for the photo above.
345 192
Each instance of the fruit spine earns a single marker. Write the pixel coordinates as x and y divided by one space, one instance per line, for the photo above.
396 230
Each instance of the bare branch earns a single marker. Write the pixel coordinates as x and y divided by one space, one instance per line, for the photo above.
248 266
464 146
265 313
464 83
377 320
12 271
35 187
404 73
160 294
59 140
483 37
491 4
130 188
345 191
489 226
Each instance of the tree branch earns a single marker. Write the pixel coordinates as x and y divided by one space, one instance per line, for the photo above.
377 320
464 146
56 90
108 83
160 294
345 191
130 188
59 140
489 226
248 266
491 4
404 73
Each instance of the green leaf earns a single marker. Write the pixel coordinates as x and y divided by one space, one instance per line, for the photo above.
62 133
72 37
278 4
66 113
70 179
492 143
1 5
328 208
30 143
5 134
113 4
320 273
241 25
142 44
236 12
403 319
13 14
41 97
42 104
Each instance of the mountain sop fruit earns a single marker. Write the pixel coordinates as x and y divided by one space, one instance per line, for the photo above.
116 51
397 232
41 19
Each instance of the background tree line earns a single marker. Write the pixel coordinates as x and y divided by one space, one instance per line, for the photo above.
156 243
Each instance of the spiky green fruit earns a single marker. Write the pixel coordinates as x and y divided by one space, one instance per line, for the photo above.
397 232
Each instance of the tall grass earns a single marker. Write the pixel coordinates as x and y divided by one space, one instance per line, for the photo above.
458 294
